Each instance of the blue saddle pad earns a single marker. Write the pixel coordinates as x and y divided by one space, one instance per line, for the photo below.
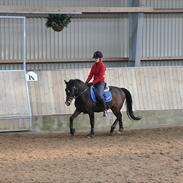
107 95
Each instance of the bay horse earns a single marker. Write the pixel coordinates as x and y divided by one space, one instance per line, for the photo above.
78 90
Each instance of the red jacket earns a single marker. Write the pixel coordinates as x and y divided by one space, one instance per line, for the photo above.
98 72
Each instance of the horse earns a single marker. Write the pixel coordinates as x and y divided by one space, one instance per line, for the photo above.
80 91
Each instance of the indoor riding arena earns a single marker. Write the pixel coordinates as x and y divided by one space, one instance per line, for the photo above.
44 45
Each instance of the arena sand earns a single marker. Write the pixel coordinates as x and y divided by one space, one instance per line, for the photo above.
136 156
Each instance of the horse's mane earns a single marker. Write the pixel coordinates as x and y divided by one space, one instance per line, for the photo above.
77 82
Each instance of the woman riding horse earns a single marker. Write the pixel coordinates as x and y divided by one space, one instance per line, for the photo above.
78 90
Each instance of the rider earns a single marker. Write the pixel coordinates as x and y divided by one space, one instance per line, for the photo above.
97 72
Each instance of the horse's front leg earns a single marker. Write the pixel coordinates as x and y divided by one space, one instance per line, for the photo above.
74 115
92 123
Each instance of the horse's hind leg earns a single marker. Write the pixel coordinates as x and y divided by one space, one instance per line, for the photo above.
118 118
120 122
113 126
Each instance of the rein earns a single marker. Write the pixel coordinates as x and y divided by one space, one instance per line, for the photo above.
81 93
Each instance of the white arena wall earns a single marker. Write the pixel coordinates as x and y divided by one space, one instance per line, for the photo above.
157 94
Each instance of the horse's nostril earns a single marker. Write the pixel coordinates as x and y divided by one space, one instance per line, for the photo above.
67 103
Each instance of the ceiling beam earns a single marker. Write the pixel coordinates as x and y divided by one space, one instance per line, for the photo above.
83 10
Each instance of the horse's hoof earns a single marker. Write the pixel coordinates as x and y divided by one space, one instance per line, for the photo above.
111 131
90 135
120 132
72 131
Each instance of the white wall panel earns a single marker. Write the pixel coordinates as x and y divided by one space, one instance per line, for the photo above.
80 39
162 3
11 39
162 35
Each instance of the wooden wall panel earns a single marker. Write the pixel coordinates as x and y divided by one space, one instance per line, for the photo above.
152 88
13 95
14 108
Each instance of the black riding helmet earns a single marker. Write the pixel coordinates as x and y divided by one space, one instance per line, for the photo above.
98 54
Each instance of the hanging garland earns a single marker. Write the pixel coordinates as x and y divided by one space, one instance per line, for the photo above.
58 21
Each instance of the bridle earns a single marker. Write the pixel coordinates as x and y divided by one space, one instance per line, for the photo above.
69 98
81 93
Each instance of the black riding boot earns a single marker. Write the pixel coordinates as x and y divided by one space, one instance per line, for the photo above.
102 104
104 108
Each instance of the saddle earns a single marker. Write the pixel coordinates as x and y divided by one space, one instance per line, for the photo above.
107 94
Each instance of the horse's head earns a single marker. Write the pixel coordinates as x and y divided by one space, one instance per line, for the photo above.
70 92
73 88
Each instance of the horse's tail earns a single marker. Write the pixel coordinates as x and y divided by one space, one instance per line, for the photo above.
129 105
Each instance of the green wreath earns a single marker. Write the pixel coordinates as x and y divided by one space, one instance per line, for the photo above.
58 21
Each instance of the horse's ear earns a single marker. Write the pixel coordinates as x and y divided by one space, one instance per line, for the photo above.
65 81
